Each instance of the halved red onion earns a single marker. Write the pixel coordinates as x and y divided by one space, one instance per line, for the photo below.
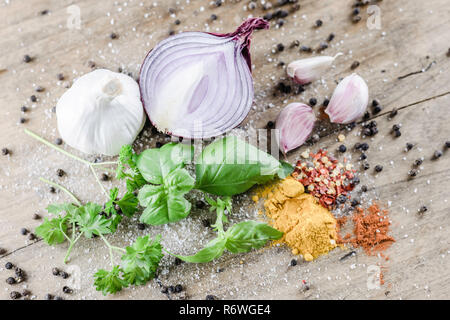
199 85
294 125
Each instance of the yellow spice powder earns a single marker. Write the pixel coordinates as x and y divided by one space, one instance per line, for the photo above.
309 229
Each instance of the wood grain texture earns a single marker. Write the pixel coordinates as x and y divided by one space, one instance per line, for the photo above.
413 36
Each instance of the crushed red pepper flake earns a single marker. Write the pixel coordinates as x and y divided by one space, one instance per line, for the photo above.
326 178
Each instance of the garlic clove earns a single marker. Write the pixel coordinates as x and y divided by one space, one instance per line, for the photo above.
100 113
310 69
349 100
294 125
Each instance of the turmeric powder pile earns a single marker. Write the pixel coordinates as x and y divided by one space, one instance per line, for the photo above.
309 229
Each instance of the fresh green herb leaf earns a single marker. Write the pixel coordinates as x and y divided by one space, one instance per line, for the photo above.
164 198
141 260
247 235
91 222
109 282
214 249
127 158
231 166
56 208
52 231
128 204
155 164
285 170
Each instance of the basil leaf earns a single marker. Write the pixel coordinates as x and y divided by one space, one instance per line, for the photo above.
213 250
169 208
231 166
244 236
285 170
155 164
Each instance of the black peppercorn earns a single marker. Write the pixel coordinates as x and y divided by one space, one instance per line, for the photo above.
270 125
48 296
418 162
52 189
366 116
15 295
177 22
423 209
355 202
356 19
326 102
376 110
378 168
113 35
59 298
60 172
280 47
60 76
409 146
447 144
2 251
313 102
27 58
10 281
305 49
213 17
330 37
397 133
9 266
24 109
64 274
364 188
364 146
341 198
437 154
178 261
36 216
210 297
5 151
354 65
31 237
393 113
412 172
141 226
67 290
356 11
366 166
58 141
293 262
395 127
33 98
319 23
200 204
342 148
178 288
104 177
23 231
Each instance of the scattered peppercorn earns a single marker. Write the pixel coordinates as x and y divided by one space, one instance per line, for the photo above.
376 109
313 102
280 47
141 226
9 266
48 296
397 133
330 37
363 156
5 151
356 11
393 113
10 281
24 109
356 19
52 189
64 274
67 290
178 288
33 98
437 154
36 216
2 251
26 292
60 76
177 22
364 188
354 65
322 46
409 146
423 209
104 177
378 168
342 148
113 35
447 144
364 146
305 49
210 297
418 162
396 127
39 89
355 202
270 125
213 17
178 261
200 204
15 295
56 271
59 298
23 231
319 23
31 237
60 172
27 58
366 166
412 172
158 144
326 102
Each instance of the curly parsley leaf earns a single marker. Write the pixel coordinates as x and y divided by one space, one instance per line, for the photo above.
52 231
127 168
109 282
91 222
128 204
141 260
56 208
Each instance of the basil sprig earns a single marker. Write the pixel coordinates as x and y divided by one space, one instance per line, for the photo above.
241 237
163 197
231 166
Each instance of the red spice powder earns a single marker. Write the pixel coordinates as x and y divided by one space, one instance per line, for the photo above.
371 228
326 179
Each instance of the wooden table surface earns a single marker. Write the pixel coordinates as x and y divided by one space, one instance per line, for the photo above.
404 62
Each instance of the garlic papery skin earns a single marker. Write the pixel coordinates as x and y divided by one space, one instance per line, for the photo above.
294 125
311 69
100 113
349 100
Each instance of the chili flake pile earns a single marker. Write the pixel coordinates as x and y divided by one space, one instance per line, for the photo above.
325 178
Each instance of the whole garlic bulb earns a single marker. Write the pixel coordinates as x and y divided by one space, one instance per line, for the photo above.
101 112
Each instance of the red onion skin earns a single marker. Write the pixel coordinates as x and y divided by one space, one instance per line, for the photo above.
244 31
